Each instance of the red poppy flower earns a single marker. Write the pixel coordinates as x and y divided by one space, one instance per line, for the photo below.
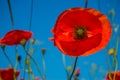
8 74
117 75
15 37
81 31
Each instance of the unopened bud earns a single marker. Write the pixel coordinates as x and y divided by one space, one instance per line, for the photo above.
77 72
43 51
2 46
27 62
18 58
69 68
32 40
31 50
111 51
23 42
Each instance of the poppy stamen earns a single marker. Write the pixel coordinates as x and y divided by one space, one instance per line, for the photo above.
80 32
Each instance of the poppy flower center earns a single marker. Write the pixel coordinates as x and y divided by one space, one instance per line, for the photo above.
79 32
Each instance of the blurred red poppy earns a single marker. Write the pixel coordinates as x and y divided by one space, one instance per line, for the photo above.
81 31
15 37
8 74
117 76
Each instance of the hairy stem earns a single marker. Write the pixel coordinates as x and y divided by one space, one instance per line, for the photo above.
7 57
64 63
44 66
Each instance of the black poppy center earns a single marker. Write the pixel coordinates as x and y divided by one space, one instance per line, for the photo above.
79 32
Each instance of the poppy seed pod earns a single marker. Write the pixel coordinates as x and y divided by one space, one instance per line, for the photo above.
43 50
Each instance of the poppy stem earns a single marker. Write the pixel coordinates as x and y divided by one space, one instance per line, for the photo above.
10 10
7 57
29 72
33 76
99 7
86 3
73 68
31 13
16 54
44 66
109 69
34 62
115 59
24 69
65 67
20 65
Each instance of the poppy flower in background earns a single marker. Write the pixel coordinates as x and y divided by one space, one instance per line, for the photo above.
8 74
15 37
81 31
117 75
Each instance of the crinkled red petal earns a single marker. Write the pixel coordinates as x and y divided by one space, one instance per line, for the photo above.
67 21
77 48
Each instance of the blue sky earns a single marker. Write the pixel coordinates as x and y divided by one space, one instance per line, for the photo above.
45 13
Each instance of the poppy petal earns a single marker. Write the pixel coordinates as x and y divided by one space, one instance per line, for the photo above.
78 47
106 32
117 75
76 16
8 74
